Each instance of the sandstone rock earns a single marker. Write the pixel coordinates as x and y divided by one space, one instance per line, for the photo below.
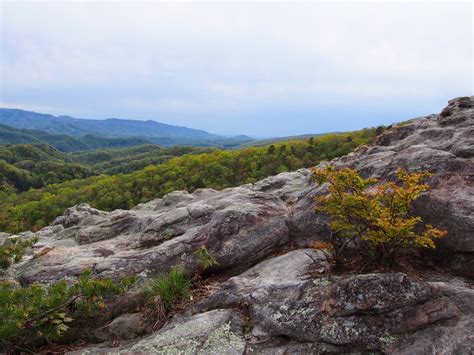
126 326
216 332
366 312
220 331
4 237
280 346
241 226
286 271
454 336
238 226
286 186
293 309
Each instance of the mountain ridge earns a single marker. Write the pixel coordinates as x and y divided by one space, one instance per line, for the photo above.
74 126
153 131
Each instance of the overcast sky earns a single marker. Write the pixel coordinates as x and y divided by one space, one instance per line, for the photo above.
262 69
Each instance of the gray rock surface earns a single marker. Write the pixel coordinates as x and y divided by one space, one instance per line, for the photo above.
286 186
219 331
126 326
284 305
216 332
243 225
238 226
286 298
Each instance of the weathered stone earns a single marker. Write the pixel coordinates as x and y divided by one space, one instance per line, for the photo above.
215 332
280 346
286 186
127 326
238 226
286 303
367 312
454 336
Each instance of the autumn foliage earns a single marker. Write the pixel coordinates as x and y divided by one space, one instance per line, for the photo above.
372 221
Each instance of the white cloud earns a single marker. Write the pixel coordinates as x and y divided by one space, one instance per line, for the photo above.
159 58
27 106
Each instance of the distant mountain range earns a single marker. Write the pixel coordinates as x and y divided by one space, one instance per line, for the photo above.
63 142
112 128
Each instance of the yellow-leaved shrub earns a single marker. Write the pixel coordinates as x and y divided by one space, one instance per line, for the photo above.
371 220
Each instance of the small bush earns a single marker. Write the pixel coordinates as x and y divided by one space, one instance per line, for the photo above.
206 260
374 218
13 250
35 314
171 287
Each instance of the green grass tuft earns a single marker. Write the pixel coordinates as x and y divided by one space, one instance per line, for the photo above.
171 287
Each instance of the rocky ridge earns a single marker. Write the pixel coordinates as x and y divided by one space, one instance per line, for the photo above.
280 297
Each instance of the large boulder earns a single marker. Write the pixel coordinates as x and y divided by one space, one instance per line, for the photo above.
286 297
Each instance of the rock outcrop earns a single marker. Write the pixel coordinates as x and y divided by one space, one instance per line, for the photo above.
441 144
286 297
238 226
281 298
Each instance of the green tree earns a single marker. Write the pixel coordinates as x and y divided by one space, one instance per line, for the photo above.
35 314
372 217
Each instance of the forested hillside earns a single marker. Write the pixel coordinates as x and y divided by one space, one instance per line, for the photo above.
65 143
25 166
217 169
127 160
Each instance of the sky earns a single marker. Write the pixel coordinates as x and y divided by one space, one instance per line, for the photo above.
257 68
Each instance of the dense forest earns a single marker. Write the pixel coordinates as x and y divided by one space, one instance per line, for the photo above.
216 169
25 166
127 160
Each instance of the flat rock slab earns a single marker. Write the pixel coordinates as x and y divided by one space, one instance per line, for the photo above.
220 331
